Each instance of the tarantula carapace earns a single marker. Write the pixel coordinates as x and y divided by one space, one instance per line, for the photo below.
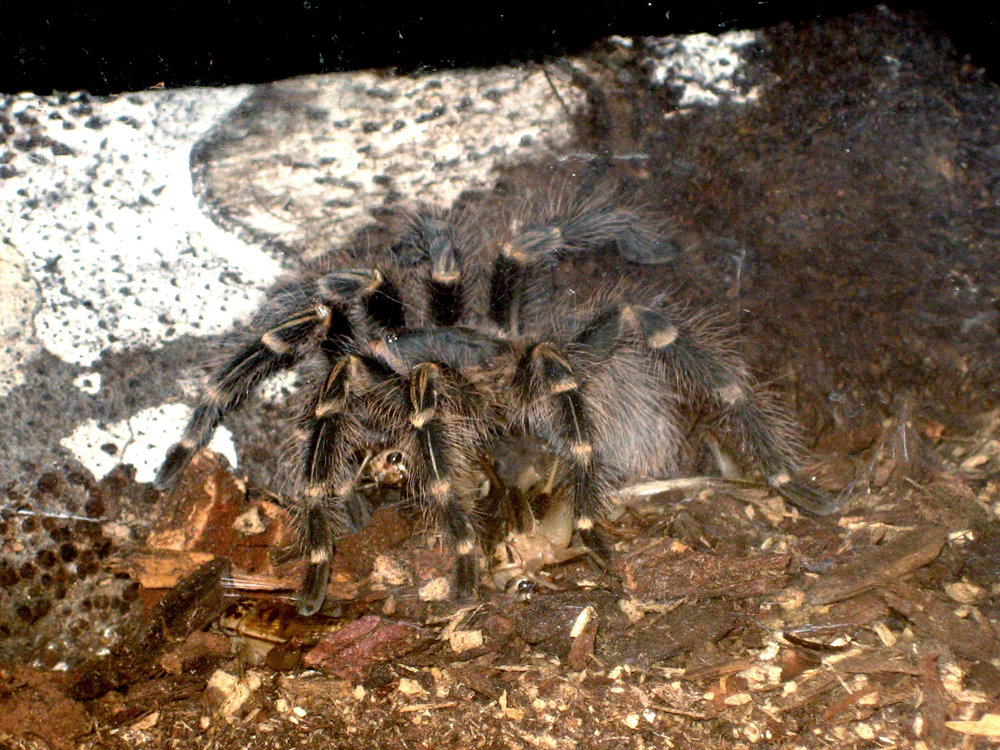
477 354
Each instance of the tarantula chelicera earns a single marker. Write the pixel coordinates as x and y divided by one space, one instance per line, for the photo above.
476 354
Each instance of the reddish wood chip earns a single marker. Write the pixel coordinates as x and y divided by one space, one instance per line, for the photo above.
34 707
356 649
203 518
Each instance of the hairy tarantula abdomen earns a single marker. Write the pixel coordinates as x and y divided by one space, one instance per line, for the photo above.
449 344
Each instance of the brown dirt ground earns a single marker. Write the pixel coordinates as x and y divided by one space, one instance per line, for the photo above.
848 224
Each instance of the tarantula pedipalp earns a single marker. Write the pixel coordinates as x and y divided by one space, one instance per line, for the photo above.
601 387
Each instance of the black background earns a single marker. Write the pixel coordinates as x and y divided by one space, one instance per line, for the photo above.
49 47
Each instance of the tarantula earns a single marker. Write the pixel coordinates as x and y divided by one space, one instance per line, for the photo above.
477 355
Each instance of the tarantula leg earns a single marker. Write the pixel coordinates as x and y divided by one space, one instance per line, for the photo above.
385 306
439 460
767 434
431 238
506 282
545 375
601 337
598 220
511 275
761 431
503 510
445 293
576 224
379 297
326 450
330 498
694 363
279 348
320 540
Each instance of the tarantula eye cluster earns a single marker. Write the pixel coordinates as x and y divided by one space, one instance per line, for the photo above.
447 345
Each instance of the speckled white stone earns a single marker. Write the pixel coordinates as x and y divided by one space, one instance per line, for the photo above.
311 182
140 440
705 66
19 298
107 230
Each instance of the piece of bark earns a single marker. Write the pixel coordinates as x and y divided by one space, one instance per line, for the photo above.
546 622
207 516
113 710
715 671
686 629
191 605
888 661
497 631
163 569
199 653
807 692
985 677
880 565
482 680
581 648
936 706
660 572
848 701
794 661
934 619
857 611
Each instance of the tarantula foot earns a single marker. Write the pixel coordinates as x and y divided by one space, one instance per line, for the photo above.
807 497
596 543
466 577
358 513
178 457
312 593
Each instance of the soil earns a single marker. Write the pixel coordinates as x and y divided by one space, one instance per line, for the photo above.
848 225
